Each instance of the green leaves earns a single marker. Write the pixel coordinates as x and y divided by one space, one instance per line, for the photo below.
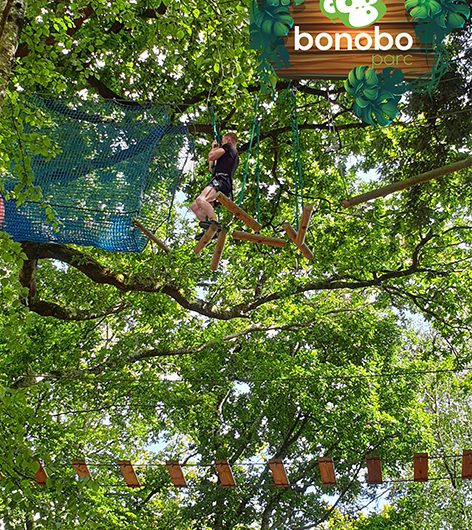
437 18
376 96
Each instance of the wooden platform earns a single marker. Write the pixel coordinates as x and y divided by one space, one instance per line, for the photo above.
238 212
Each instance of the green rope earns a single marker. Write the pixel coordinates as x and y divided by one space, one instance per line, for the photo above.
297 163
258 172
216 133
246 166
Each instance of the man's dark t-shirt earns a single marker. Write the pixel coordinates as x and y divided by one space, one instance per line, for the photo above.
224 170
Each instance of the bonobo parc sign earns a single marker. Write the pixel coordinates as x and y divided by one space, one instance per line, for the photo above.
331 37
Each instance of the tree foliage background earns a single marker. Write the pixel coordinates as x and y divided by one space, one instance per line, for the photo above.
152 357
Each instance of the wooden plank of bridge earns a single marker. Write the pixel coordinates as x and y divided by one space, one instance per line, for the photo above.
467 465
304 223
279 475
176 474
151 236
408 183
328 476
238 212
81 469
41 476
257 238
206 238
289 230
129 474
374 469
225 474
420 467
220 245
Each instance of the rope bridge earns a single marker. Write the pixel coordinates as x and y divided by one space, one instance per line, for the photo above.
112 157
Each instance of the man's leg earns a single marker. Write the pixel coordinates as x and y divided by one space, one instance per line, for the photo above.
202 207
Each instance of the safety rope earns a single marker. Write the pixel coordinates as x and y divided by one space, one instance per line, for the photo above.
214 123
251 139
258 171
296 158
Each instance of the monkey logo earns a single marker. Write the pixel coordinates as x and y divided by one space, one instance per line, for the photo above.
354 13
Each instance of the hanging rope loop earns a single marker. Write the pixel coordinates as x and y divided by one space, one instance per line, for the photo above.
296 158
255 124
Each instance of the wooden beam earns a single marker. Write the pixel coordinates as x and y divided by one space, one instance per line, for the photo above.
279 475
420 467
151 236
41 476
304 223
129 474
328 476
81 469
408 183
220 245
225 474
289 230
176 474
466 465
257 238
206 238
238 212
374 469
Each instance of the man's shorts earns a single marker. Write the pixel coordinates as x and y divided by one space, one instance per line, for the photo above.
222 182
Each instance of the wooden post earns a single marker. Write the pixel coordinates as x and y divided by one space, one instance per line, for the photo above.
289 230
374 469
420 467
279 475
257 238
408 183
41 476
129 474
466 465
238 212
328 476
81 469
225 474
176 474
206 238
151 236
304 223
220 245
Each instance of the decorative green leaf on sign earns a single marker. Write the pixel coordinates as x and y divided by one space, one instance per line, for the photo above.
270 23
437 18
376 96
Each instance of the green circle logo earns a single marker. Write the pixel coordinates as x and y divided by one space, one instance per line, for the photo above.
354 13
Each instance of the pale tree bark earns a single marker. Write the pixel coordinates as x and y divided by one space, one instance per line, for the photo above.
12 14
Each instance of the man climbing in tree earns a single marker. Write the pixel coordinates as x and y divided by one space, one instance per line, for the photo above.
223 162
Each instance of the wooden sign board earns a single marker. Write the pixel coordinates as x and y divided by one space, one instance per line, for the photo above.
320 47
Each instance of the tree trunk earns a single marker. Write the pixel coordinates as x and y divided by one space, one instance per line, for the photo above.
12 14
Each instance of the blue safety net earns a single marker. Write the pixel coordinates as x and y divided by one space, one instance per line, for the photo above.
110 158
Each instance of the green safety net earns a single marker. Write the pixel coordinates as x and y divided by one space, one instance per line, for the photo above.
111 160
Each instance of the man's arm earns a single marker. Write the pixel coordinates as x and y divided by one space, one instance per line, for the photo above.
216 152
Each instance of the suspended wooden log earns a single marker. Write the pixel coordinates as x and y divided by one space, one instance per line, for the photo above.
420 467
225 474
41 476
279 475
206 238
129 474
151 236
328 476
81 469
304 223
176 474
289 230
238 212
408 183
258 238
220 245
467 465
374 469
